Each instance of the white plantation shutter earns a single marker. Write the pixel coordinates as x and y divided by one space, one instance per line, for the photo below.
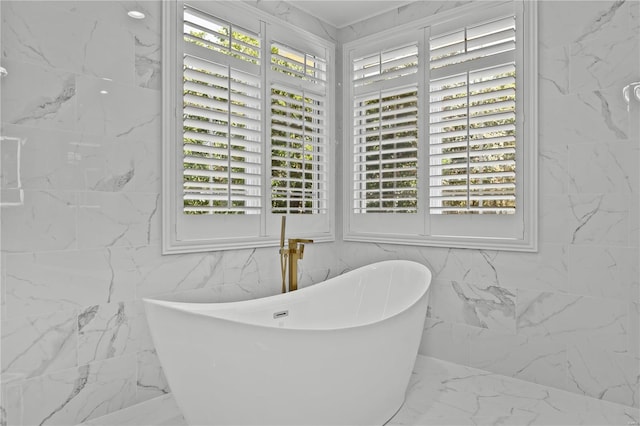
222 117
385 131
472 131
299 141
386 151
443 130
247 125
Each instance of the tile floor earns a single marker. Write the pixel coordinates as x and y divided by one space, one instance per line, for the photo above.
443 393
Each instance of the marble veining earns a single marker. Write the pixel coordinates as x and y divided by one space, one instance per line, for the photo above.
480 306
79 394
38 345
105 331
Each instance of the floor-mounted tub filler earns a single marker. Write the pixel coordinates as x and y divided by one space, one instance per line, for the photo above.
339 352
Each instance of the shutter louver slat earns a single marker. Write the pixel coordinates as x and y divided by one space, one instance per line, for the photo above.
298 65
472 120
206 31
385 66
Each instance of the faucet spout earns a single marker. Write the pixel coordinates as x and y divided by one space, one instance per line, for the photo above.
296 252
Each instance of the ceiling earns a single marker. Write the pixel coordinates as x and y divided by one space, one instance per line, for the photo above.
343 13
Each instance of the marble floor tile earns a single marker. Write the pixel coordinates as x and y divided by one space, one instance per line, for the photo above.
443 393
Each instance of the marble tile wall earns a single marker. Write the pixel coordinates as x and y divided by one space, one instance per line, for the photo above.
566 316
82 96
84 246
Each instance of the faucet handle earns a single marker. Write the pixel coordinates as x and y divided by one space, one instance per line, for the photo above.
302 247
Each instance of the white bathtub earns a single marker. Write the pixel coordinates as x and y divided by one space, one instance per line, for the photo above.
339 352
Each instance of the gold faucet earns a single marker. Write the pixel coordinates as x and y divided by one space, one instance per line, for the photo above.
293 253
296 252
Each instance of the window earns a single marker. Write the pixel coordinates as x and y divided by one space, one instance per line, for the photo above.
249 139
386 131
442 140
299 168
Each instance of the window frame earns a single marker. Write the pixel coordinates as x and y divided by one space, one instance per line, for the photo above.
247 230
421 229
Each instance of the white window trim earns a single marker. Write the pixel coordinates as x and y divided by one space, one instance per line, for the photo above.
419 233
269 233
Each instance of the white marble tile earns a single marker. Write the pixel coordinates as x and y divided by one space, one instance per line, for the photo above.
27 35
604 62
553 215
106 331
603 167
117 219
106 165
356 254
401 15
634 330
33 346
128 163
151 381
254 271
148 56
115 12
567 317
634 17
151 274
162 410
634 220
606 272
444 264
554 166
484 306
35 96
545 270
603 374
585 117
445 340
79 394
109 53
66 160
589 20
10 404
94 47
443 393
122 111
51 281
538 360
47 158
3 286
599 219
553 71
46 221
448 394
297 16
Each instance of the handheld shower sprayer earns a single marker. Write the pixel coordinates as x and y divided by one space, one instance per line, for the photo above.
284 254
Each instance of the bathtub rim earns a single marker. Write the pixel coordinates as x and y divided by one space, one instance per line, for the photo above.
187 307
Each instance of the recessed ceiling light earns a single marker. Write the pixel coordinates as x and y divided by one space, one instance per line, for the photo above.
135 14
104 92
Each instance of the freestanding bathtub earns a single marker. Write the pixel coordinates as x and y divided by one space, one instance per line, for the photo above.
340 352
